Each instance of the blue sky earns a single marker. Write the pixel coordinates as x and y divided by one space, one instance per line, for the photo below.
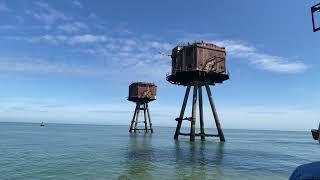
72 61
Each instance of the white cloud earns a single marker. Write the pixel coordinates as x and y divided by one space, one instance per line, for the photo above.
92 15
77 4
45 13
88 38
7 27
64 39
262 60
131 54
4 7
28 65
135 52
251 55
72 27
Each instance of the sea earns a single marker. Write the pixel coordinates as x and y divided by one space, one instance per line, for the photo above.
85 152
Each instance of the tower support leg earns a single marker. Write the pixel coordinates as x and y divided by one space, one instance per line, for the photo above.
134 117
183 108
150 124
194 113
137 118
145 117
201 114
215 114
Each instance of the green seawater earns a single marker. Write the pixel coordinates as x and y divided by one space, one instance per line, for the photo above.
60 151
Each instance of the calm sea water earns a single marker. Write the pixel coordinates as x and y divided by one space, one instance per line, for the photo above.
57 151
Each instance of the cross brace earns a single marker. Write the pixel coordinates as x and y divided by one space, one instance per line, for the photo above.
197 92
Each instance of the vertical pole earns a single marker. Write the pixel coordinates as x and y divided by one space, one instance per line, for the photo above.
150 124
145 117
185 100
201 114
215 114
319 133
194 113
137 118
313 24
134 117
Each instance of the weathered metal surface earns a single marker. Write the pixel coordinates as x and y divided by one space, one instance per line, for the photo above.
149 118
194 113
134 117
142 92
215 114
145 117
135 120
201 114
199 61
198 64
198 93
184 104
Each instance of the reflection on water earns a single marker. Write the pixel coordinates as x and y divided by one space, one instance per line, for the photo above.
85 152
193 162
139 157
190 160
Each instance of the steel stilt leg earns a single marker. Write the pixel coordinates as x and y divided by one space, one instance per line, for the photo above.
215 114
201 114
183 108
194 113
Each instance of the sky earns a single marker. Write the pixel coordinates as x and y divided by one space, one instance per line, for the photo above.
72 61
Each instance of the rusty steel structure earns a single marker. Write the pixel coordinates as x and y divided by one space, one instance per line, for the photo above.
315 10
198 65
199 61
142 93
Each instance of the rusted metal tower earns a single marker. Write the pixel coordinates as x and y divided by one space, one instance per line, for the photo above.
142 93
198 64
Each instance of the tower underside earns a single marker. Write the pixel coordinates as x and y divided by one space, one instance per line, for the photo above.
197 93
134 127
189 77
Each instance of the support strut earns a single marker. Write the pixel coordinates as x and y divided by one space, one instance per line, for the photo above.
197 92
184 104
141 106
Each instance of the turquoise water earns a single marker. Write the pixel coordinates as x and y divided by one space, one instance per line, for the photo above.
58 151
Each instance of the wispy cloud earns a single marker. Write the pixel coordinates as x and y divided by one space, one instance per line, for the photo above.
134 53
127 56
92 15
45 13
65 39
7 27
250 54
73 27
4 7
87 38
262 60
77 4
28 65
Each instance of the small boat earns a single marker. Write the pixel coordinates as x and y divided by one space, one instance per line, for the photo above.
42 124
315 134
